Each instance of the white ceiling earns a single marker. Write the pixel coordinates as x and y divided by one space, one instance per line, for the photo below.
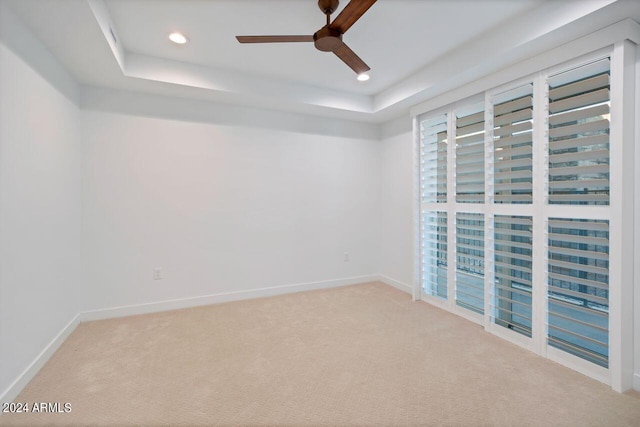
386 37
414 47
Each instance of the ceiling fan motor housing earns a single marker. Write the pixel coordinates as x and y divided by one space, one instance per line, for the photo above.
327 39
328 6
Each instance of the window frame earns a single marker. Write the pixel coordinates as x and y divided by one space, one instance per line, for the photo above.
620 372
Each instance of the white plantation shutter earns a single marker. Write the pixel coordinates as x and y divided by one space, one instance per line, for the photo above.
434 253
433 159
579 135
579 287
470 157
470 261
512 253
540 276
512 145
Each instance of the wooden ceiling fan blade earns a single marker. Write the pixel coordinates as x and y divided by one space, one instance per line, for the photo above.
274 39
350 58
350 14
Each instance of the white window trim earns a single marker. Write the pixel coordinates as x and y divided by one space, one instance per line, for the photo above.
619 43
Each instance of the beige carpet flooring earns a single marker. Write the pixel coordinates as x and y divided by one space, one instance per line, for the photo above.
357 355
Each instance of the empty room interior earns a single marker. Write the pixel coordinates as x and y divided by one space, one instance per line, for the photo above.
302 212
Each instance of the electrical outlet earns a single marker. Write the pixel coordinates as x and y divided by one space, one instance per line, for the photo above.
157 273
346 257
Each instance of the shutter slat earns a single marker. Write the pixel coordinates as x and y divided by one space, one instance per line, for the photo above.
585 141
512 186
576 320
585 113
580 295
583 309
512 175
511 255
471 178
470 119
581 254
512 128
469 129
579 184
584 100
512 198
581 336
581 86
477 158
512 152
472 198
510 278
581 128
578 198
587 240
507 141
578 156
511 106
578 267
470 167
464 150
513 267
579 225
515 163
516 116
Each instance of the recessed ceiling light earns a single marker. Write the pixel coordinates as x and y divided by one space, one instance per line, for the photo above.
178 38
363 77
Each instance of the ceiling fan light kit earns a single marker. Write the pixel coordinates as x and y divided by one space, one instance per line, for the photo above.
329 37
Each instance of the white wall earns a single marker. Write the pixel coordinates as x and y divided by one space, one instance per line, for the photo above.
220 208
396 202
40 208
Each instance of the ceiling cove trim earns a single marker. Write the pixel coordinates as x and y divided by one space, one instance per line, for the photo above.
435 80
627 29
202 111
108 28
221 80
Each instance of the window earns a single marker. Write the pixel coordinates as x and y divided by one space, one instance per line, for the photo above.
579 135
470 261
470 157
515 218
579 287
512 299
434 249
433 160
512 145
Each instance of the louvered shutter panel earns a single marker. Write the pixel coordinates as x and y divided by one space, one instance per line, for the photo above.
433 159
512 146
579 135
579 287
470 261
434 253
512 252
470 158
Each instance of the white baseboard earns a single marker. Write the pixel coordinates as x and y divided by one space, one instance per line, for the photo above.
14 389
176 304
27 375
636 382
396 284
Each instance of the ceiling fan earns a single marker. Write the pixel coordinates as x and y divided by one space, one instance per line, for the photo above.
329 37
